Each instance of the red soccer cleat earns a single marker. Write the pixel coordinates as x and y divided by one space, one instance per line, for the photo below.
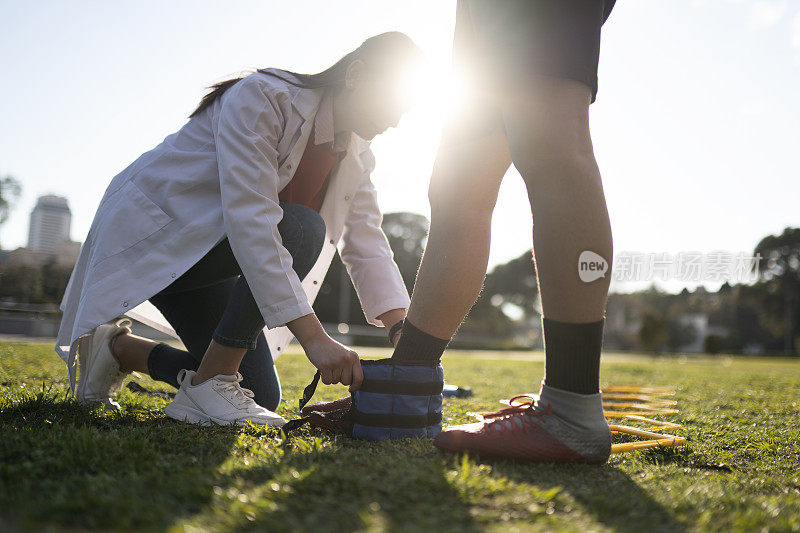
529 433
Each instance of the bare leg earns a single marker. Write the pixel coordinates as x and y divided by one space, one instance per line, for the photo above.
463 191
548 130
132 352
218 359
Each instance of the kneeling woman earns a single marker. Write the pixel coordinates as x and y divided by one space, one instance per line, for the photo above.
219 224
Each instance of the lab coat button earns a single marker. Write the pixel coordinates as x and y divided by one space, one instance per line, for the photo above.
289 166
315 282
124 303
332 241
346 198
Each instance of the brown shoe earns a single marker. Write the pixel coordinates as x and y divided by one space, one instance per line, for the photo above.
526 432
326 407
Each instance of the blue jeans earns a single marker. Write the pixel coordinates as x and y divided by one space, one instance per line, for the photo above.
212 300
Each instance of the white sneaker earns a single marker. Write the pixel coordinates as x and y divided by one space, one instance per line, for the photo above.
99 376
220 400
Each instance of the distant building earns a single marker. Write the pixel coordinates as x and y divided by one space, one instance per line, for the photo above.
50 224
48 236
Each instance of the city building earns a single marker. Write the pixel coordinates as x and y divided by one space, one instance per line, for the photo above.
50 224
48 236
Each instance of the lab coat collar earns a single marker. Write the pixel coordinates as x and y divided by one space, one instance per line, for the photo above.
324 128
307 102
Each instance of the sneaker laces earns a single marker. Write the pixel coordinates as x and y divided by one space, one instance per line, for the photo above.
237 392
521 415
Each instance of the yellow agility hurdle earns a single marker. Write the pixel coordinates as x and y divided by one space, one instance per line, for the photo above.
642 402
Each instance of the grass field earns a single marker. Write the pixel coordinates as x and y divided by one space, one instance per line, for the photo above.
64 467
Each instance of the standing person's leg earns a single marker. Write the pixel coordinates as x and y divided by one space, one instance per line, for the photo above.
570 217
546 120
470 164
472 158
545 57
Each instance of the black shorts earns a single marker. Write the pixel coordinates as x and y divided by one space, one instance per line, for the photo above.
503 43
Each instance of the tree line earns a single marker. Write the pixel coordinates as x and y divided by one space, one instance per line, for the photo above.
760 317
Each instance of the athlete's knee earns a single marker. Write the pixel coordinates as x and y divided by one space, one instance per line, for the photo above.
459 205
565 160
548 127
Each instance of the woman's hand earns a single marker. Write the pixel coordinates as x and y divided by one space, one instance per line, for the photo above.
336 362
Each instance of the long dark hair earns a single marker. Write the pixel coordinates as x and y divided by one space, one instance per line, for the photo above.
383 54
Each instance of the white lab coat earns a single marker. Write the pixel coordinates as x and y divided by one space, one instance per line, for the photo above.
219 176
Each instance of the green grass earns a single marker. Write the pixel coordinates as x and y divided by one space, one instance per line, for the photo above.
64 467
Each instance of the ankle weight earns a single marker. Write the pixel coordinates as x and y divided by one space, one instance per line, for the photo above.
398 399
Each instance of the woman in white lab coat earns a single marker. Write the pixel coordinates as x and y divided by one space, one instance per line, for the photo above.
228 226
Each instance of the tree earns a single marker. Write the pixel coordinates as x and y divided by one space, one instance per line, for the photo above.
514 282
407 234
779 270
21 283
680 334
653 333
713 344
10 190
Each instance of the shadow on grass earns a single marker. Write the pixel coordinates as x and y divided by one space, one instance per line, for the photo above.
605 492
683 456
344 485
68 465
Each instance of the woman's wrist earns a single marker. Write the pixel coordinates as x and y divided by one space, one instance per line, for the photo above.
307 329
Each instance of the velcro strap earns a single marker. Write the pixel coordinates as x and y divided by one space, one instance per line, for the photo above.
292 425
394 329
309 391
385 420
407 388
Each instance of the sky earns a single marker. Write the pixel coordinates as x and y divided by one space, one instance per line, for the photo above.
695 126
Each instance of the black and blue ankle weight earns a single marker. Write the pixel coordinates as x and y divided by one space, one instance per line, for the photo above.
397 400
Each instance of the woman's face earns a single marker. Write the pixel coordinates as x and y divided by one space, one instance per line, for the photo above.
374 102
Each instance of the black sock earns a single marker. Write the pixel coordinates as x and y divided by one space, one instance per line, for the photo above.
416 345
572 355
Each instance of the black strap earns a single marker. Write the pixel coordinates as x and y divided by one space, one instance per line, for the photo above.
371 419
292 425
308 392
408 388
394 329
136 387
397 421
